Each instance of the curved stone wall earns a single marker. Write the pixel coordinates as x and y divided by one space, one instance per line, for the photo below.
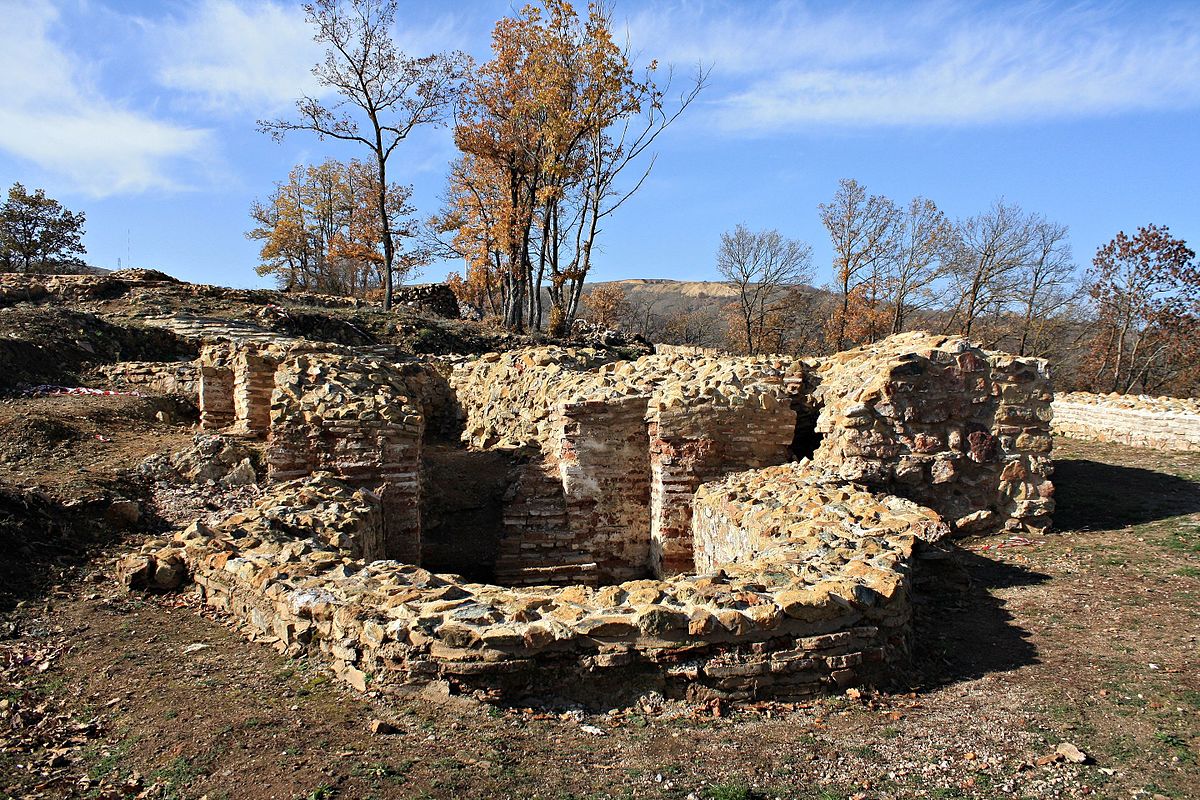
813 603
701 554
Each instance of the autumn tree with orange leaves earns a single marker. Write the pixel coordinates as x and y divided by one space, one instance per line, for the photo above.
863 229
382 95
547 128
320 233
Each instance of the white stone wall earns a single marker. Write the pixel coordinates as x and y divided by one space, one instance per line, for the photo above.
1159 423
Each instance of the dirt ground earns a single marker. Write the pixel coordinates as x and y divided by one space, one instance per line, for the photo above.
1089 636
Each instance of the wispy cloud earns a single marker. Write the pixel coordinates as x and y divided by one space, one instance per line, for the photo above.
786 65
53 115
237 56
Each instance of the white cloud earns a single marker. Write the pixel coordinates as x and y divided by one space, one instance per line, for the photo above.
257 57
786 66
52 114
235 56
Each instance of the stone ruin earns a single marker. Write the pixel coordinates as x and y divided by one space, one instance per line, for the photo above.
551 518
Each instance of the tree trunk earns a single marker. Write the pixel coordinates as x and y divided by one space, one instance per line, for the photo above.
388 247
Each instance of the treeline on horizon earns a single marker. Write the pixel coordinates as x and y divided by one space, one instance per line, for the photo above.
1005 278
555 134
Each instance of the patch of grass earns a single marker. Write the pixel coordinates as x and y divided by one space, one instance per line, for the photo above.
1123 749
890 732
1177 744
1182 541
830 794
111 762
1188 572
1169 739
323 792
946 791
730 791
310 685
177 775
382 771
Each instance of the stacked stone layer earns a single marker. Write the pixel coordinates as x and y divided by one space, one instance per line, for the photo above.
350 416
772 579
964 431
1160 423
179 378
820 605
436 298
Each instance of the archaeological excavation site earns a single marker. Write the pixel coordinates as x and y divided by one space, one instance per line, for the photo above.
551 519
249 532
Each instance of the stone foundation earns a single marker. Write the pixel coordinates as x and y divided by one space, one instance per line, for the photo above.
814 604
653 523
1160 423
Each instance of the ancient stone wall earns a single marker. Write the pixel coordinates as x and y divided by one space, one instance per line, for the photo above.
1160 423
772 577
630 440
435 298
935 419
821 603
215 387
254 366
336 413
180 378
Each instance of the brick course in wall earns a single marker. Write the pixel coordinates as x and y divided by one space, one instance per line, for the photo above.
351 417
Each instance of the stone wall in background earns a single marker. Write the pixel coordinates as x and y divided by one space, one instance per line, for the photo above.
436 298
155 286
1160 423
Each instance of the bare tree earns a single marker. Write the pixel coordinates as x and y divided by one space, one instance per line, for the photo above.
383 93
912 275
764 267
988 251
1045 284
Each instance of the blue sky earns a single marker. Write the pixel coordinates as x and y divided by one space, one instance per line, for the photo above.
142 115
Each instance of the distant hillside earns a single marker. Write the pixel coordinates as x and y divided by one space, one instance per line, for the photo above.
665 296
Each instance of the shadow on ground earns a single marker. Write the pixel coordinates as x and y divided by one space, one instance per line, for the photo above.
1093 496
963 631
42 543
